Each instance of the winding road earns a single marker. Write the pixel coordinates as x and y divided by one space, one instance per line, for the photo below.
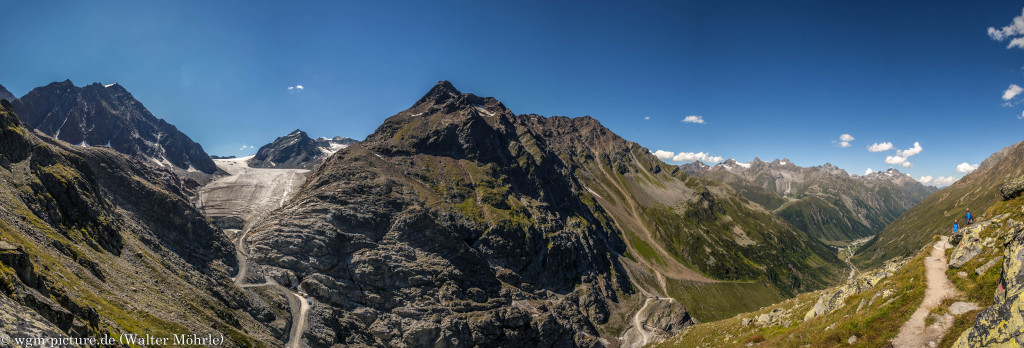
250 193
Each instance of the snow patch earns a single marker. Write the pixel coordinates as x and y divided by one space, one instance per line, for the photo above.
107 86
592 192
744 165
483 110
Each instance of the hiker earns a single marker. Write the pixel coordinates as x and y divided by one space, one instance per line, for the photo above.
968 220
956 226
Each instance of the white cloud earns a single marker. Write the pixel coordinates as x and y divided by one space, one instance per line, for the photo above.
898 160
1017 42
664 155
879 147
244 147
296 88
1012 91
696 156
694 119
1016 28
911 151
844 140
939 181
647 117
966 167
1021 117
869 171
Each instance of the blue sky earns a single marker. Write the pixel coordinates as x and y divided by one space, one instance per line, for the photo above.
780 79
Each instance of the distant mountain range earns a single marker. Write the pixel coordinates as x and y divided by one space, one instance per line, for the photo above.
823 201
297 151
107 115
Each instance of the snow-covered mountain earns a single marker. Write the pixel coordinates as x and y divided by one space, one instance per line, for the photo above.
297 151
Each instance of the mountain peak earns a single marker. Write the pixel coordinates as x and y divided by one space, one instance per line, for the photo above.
442 92
5 94
297 132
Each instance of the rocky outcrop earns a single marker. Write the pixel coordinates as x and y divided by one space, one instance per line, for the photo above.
1012 188
968 244
836 297
108 115
1002 324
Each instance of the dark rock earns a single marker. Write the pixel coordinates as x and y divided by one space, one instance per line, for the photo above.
109 116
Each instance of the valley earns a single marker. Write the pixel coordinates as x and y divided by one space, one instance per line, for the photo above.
459 223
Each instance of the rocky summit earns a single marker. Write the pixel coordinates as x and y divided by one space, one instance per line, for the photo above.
108 115
297 151
458 223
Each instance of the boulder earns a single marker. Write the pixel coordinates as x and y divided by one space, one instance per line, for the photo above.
1011 189
970 246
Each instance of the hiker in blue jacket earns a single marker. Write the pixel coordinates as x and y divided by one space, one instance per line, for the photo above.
956 226
969 219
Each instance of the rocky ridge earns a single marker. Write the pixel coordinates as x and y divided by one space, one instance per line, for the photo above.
108 115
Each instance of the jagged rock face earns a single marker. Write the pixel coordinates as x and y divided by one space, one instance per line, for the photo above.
108 115
1002 324
458 223
5 94
934 215
297 151
93 242
823 201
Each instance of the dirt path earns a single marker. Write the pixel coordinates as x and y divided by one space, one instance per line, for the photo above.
914 333
639 324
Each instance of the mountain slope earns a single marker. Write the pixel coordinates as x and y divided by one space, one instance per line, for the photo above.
5 94
823 201
93 242
110 116
459 223
977 191
297 151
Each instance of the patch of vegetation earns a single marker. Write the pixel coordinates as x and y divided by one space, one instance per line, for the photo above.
874 325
